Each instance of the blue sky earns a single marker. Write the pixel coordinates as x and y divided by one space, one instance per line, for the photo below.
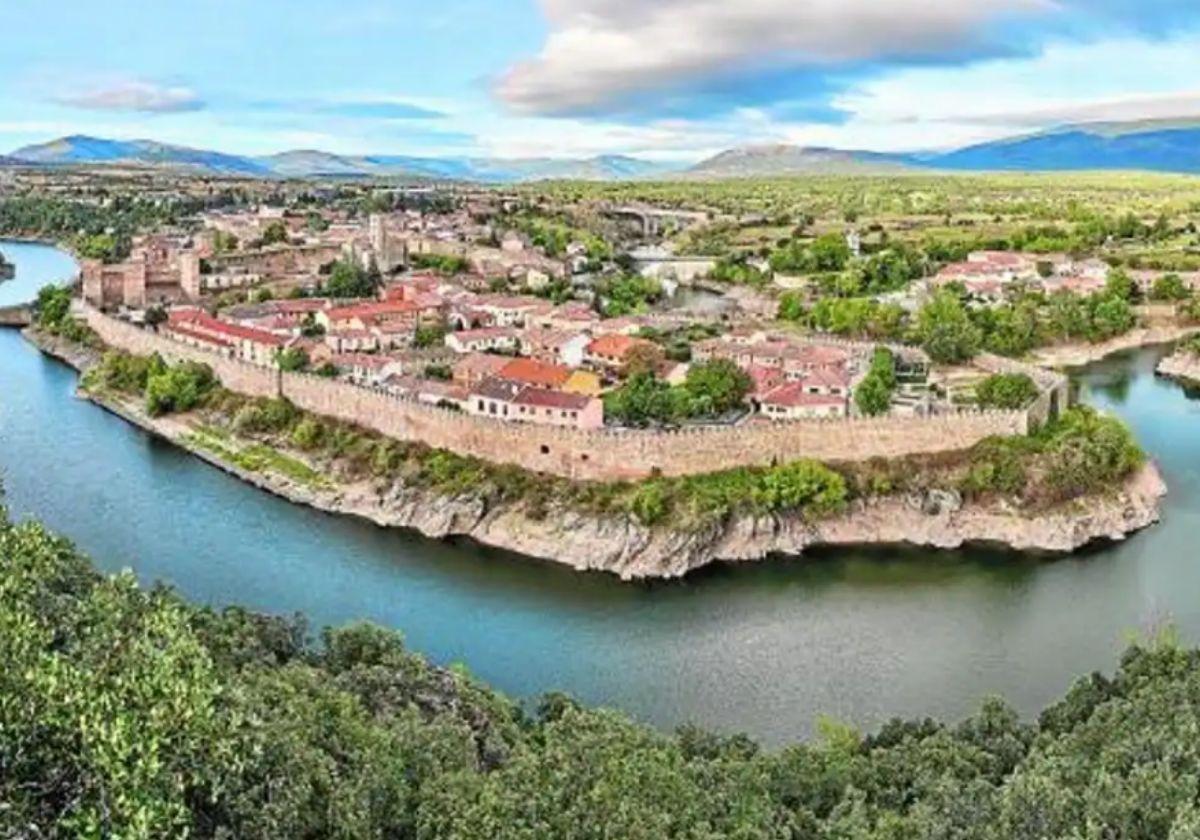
669 79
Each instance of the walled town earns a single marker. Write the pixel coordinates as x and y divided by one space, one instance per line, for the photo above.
622 332
470 307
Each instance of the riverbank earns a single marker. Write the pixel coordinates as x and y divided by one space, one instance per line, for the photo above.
618 543
1078 355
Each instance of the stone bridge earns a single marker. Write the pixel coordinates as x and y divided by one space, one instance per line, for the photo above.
653 219
16 316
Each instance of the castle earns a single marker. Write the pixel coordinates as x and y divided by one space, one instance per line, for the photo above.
160 269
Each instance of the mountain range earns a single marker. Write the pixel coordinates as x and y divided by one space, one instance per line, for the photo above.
1155 146
79 150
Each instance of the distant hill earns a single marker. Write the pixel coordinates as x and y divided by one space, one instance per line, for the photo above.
303 163
781 160
79 149
502 170
1162 146
1153 146
306 163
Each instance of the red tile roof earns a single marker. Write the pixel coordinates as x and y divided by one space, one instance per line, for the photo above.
533 372
541 398
793 395
616 346
183 329
204 322
375 309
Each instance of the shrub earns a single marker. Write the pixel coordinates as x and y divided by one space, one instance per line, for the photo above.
266 416
1006 390
648 504
179 388
308 434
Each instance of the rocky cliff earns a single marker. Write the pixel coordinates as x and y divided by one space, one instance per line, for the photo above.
619 545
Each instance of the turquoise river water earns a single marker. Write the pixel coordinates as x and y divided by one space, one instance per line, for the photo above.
765 648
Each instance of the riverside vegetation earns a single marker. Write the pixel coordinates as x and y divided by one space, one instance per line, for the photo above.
129 712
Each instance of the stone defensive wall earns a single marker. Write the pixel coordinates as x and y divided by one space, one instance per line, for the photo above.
587 455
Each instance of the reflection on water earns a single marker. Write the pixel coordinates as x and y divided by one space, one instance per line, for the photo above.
765 648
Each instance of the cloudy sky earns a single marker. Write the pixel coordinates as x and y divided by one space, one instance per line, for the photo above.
668 79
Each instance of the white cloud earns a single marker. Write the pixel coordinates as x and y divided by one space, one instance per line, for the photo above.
133 95
601 50
1115 80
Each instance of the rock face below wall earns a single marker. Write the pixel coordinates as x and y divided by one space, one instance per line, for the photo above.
1182 366
620 546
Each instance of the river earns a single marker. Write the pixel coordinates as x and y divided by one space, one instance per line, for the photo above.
36 265
766 649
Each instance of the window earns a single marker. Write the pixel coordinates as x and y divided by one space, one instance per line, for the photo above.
545 449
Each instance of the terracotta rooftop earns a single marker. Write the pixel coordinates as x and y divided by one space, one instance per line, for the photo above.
616 346
793 395
541 398
206 323
533 372
497 389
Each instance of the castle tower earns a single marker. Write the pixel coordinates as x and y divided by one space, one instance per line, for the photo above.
379 240
189 275
93 281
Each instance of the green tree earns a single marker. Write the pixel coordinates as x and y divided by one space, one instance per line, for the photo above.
1170 287
716 386
873 396
643 400
429 335
1120 285
155 316
946 331
52 306
350 280
791 307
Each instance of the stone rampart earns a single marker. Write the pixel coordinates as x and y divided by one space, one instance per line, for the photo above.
594 455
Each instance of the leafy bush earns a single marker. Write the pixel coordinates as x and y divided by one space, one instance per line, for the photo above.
178 388
123 372
1006 391
308 434
648 503
1080 453
1170 287
266 416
